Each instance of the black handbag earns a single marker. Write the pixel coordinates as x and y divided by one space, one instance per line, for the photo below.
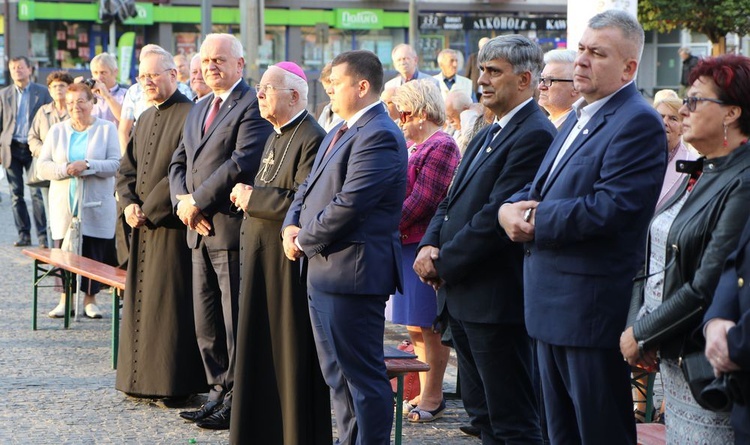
699 374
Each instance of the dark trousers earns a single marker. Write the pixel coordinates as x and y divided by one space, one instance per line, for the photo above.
348 331
496 367
21 160
215 305
587 395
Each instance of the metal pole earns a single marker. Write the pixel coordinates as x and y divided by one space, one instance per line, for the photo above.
252 31
205 18
414 25
112 38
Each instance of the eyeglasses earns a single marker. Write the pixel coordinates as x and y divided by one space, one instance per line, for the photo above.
548 81
268 88
692 101
79 102
404 116
150 76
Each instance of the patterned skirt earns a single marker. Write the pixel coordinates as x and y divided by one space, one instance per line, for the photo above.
686 421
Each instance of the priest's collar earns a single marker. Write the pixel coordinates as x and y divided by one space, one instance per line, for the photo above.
172 99
292 121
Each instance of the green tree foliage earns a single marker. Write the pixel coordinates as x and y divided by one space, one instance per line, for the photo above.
714 18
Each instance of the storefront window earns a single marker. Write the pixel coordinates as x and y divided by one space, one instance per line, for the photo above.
272 49
381 42
321 45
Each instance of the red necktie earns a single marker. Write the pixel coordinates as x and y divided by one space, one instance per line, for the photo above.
212 113
335 139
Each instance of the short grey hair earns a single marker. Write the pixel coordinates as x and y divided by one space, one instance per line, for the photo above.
459 98
165 58
235 50
560 56
447 52
517 50
632 31
105 59
422 95
294 82
411 49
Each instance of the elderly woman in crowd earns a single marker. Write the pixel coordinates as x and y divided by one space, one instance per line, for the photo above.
47 116
433 157
690 237
667 104
82 146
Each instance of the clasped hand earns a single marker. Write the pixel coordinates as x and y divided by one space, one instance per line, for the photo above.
240 195
289 237
134 216
424 266
518 220
191 215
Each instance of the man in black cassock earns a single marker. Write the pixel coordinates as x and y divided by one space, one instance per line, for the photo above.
279 393
158 354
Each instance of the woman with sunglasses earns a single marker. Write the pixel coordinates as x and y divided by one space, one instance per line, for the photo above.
690 237
433 158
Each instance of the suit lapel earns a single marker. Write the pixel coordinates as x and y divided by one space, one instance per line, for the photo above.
467 172
321 159
588 131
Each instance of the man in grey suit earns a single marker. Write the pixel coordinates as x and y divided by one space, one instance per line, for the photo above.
19 103
222 144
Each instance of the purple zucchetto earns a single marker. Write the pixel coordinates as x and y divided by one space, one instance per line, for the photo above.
292 68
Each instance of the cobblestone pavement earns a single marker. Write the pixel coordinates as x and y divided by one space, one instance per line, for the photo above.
58 384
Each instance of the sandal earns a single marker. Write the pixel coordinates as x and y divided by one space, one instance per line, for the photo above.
418 415
407 407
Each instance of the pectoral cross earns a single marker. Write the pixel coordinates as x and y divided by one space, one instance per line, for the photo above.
267 164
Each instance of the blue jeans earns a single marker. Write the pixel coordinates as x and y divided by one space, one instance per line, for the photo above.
21 160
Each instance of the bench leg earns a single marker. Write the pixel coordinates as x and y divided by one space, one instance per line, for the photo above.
69 286
399 413
115 325
35 295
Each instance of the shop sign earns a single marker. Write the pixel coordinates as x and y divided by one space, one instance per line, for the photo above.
488 22
145 15
358 18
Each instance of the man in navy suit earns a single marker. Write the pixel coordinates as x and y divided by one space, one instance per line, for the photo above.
344 220
19 103
479 271
222 144
727 329
584 219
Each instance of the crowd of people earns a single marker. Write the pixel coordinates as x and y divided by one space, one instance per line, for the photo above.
538 216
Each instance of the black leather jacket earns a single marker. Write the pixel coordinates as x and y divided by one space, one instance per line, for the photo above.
704 233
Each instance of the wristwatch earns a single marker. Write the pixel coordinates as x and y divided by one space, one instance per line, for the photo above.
87 163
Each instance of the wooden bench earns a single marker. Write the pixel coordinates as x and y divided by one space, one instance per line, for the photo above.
398 364
65 265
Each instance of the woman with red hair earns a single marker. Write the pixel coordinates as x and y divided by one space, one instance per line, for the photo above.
690 237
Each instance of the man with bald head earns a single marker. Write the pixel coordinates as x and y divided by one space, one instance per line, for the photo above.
222 144
387 98
556 90
455 103
405 61
583 220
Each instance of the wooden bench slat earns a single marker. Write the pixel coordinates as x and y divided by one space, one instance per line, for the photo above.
86 267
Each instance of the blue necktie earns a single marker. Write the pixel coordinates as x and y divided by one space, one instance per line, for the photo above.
494 128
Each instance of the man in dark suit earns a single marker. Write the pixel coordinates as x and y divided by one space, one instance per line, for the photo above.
584 219
19 103
728 333
477 269
344 220
222 144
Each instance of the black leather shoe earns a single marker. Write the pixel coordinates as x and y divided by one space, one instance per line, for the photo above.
470 430
22 242
219 420
205 410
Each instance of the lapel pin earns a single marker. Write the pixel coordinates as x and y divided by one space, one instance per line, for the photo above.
586 131
489 149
